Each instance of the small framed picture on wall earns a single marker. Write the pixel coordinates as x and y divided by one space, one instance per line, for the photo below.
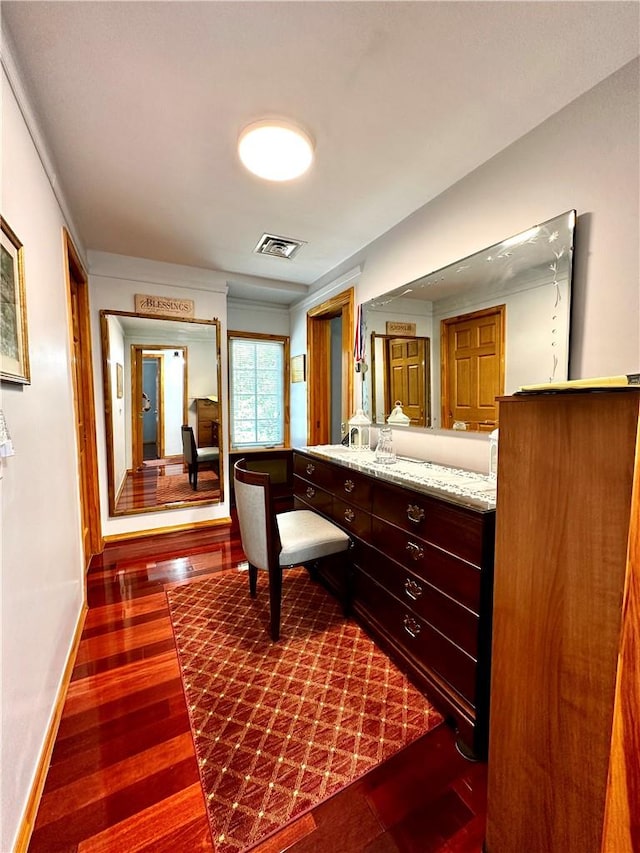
14 349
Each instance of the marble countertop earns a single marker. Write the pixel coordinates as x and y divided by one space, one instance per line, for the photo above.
458 485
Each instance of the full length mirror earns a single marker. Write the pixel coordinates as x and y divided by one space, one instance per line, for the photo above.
163 417
492 322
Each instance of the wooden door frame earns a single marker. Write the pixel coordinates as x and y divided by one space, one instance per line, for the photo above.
319 361
445 326
136 360
77 290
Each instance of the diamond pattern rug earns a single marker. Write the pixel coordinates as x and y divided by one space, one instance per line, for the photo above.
176 487
279 727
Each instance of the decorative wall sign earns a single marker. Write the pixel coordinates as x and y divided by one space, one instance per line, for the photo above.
298 368
164 306
404 329
14 349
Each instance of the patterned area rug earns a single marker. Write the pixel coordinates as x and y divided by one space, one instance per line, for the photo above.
175 487
279 727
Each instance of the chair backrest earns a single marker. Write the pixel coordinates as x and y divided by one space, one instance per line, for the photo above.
258 527
188 444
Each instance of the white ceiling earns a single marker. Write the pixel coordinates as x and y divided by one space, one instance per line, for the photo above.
141 104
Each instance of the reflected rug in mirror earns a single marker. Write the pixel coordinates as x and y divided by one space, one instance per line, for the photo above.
280 727
175 487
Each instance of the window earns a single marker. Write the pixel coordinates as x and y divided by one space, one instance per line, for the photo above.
258 389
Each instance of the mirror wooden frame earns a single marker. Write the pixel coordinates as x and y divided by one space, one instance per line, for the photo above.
179 342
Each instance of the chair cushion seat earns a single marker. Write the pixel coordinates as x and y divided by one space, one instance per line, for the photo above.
208 454
307 536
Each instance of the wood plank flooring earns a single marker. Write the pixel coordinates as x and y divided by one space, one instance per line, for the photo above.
124 777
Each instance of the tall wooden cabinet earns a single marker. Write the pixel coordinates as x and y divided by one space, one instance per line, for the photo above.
207 423
564 748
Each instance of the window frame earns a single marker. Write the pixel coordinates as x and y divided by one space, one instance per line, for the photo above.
261 336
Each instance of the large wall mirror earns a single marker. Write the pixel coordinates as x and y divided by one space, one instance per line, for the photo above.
447 344
160 376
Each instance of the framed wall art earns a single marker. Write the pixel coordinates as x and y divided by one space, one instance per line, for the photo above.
14 349
119 381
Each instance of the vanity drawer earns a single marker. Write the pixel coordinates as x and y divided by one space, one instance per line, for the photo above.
456 578
316 472
352 487
456 622
352 518
311 495
456 529
416 638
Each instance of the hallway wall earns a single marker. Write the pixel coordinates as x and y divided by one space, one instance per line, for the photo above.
42 587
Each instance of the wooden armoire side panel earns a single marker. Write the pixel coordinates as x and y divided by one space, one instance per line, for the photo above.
564 498
622 821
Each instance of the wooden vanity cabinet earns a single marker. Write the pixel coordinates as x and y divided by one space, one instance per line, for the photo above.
422 582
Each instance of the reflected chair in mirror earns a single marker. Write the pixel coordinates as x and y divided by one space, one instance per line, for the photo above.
197 457
274 541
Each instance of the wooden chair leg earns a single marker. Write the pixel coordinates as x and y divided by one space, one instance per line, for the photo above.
253 581
195 477
275 598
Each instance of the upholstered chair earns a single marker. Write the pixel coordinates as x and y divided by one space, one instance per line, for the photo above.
197 456
273 541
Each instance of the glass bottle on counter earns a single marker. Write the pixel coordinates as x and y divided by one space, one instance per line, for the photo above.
384 450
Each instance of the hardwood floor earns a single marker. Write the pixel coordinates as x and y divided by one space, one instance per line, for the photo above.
140 487
123 775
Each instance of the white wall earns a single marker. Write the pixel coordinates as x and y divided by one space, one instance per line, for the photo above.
114 280
42 572
245 316
586 157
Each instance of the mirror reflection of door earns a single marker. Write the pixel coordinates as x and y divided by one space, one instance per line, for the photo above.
337 420
405 365
473 348
158 384
151 401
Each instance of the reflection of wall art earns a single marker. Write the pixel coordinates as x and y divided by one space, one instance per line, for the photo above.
119 381
402 329
14 350
298 368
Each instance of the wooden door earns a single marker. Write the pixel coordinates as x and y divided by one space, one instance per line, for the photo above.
319 389
82 381
406 362
473 368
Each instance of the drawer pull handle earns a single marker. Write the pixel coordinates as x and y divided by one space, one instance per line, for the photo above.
310 468
349 486
415 551
349 515
412 589
411 626
311 492
415 513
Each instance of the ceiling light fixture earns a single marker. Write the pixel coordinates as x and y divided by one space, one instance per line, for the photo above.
275 150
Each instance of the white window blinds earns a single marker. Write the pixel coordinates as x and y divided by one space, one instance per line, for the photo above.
256 390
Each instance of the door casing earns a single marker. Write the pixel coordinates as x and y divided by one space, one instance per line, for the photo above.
319 365
83 398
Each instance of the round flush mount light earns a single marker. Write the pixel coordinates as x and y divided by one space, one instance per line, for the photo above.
275 150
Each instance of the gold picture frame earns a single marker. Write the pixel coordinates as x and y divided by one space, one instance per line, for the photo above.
14 347
119 381
298 368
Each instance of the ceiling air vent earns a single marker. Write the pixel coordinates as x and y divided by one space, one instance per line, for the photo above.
279 247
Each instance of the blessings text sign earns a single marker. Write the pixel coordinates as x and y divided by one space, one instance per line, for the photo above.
164 306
